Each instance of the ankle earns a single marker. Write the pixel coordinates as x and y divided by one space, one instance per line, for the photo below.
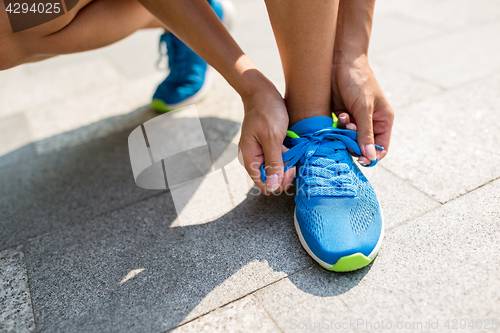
296 117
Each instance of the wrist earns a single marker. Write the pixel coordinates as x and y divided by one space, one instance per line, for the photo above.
253 84
357 59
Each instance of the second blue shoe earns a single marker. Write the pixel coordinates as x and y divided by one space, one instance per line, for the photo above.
190 76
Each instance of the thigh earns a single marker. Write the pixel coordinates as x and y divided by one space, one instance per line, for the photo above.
90 25
13 51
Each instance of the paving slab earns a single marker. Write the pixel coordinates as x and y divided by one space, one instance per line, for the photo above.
441 266
16 313
171 274
77 183
104 255
448 15
451 60
222 102
259 45
392 31
446 145
400 201
52 84
53 191
245 315
15 140
110 109
134 56
402 89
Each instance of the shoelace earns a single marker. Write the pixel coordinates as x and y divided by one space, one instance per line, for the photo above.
162 50
177 59
322 173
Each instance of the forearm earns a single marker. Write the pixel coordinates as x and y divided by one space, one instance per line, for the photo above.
196 24
354 26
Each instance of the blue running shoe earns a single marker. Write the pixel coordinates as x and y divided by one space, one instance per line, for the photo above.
337 216
190 76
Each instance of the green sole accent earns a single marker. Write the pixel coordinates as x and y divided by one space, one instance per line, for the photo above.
350 263
292 135
159 106
335 120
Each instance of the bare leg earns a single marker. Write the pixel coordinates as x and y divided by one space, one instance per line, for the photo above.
96 24
305 34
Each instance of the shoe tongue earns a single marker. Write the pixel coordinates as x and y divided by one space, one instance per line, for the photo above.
311 125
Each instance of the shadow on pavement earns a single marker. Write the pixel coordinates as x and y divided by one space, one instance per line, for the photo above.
98 227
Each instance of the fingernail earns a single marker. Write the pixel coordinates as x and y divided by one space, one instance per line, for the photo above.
362 162
350 127
370 152
343 116
272 183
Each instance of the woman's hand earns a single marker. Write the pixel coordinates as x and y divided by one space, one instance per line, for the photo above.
263 131
357 92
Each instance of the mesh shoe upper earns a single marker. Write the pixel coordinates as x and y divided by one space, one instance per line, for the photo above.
187 72
187 69
337 210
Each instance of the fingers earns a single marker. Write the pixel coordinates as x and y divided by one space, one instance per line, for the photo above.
364 161
383 120
365 141
352 127
344 123
273 164
383 140
252 158
365 136
343 120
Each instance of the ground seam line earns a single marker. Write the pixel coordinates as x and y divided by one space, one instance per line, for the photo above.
474 189
29 288
267 313
236 299
406 181
441 205
413 218
87 220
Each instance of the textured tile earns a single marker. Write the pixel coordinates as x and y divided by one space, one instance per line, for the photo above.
254 35
172 275
133 56
401 88
399 200
136 55
392 31
446 145
221 102
453 59
53 84
133 269
244 315
443 14
16 314
73 121
443 265
15 140
9 76
308 297
57 190
75 184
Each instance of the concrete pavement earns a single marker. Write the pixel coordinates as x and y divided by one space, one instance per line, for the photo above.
83 249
